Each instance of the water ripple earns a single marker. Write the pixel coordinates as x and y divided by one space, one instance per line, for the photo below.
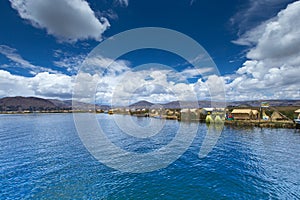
42 157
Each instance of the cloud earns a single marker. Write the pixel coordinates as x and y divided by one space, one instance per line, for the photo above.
109 82
254 12
272 67
11 85
251 37
122 2
68 20
192 2
155 85
271 71
68 61
43 85
118 84
19 62
12 55
110 14
56 85
194 72
51 85
116 87
280 38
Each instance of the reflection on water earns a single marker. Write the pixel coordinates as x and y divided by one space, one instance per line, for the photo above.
42 157
211 138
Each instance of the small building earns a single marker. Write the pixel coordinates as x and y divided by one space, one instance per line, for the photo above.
245 114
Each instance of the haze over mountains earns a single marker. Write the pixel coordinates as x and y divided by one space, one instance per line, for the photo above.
39 104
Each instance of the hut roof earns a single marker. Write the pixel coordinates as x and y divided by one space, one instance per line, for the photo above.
208 109
240 111
297 111
184 110
276 115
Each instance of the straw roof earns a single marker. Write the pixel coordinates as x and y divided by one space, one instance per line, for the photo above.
184 110
297 111
255 112
241 111
277 115
208 109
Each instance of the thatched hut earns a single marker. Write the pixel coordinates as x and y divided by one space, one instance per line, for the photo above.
255 114
190 114
245 114
276 116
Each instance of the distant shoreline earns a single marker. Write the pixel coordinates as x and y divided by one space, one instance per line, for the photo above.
233 123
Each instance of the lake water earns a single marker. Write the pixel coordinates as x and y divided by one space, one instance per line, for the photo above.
42 157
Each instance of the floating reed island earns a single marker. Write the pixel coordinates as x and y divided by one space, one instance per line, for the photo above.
259 117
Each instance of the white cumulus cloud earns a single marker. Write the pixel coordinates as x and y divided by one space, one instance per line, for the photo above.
68 20
271 71
43 84
272 67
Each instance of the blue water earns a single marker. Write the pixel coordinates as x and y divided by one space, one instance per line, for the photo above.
42 157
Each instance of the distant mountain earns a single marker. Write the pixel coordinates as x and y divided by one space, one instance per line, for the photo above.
141 104
256 103
173 104
181 104
187 104
76 105
205 104
25 103
103 107
40 104
61 104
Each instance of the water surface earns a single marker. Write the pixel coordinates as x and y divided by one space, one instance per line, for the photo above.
42 157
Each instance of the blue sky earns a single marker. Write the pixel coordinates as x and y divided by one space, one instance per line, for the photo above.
255 45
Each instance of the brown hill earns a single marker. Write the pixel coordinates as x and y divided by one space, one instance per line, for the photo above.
25 103
38 104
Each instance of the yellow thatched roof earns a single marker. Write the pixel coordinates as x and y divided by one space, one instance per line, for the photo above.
241 111
297 111
254 112
276 115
